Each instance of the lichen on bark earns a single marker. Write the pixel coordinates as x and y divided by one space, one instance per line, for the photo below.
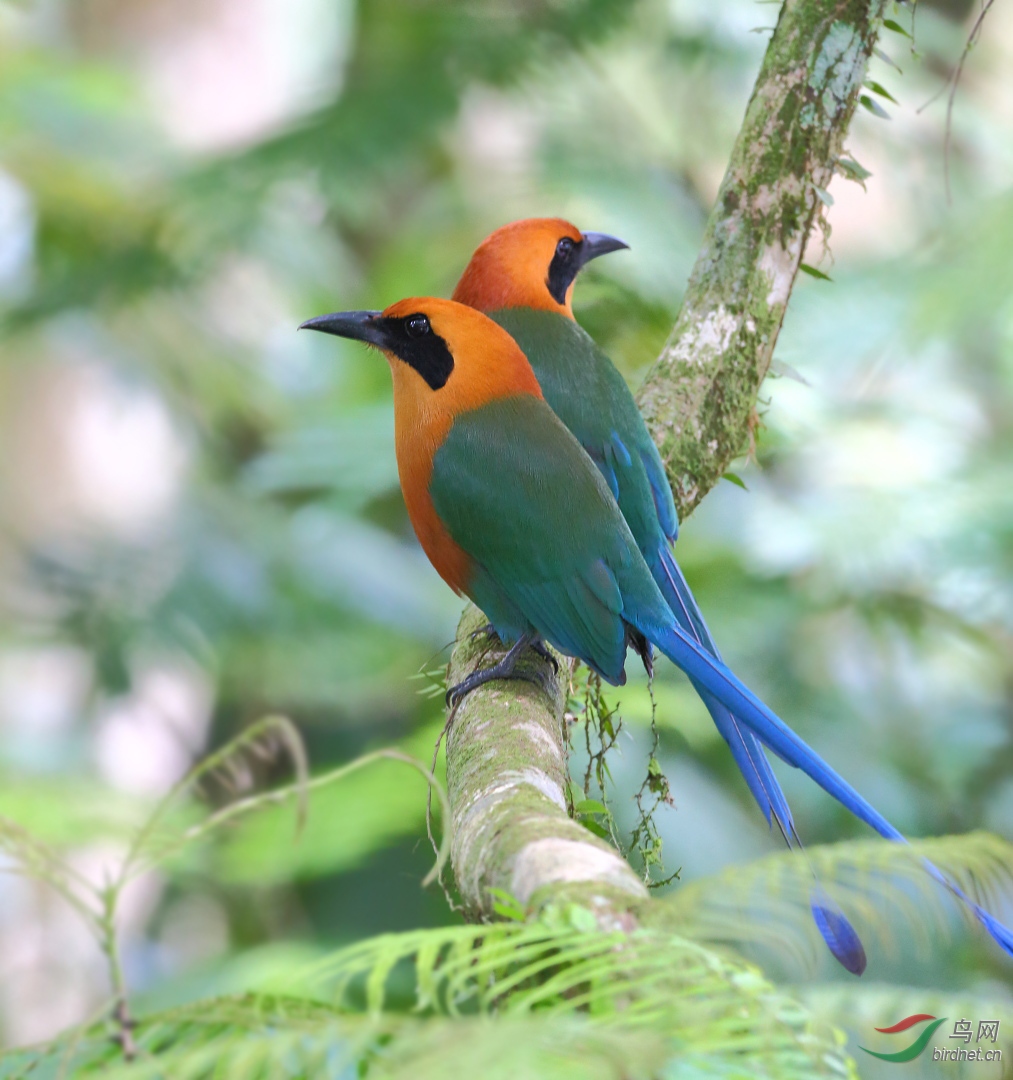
506 750
698 399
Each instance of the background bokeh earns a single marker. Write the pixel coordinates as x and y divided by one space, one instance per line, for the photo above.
199 515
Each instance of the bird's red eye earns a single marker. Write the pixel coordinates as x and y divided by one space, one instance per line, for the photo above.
564 247
416 326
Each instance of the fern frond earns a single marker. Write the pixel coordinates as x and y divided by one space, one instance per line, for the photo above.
255 1038
880 885
249 1036
31 858
397 1049
711 1005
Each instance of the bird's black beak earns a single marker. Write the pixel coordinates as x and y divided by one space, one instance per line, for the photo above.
596 243
365 326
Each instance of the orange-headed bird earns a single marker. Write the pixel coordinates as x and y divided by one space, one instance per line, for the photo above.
522 276
513 513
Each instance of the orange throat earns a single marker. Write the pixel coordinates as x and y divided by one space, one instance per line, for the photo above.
487 365
416 445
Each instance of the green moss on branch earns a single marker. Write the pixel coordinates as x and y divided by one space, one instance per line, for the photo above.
506 777
699 397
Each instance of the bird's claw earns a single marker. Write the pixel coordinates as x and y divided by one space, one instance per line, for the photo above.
543 651
507 669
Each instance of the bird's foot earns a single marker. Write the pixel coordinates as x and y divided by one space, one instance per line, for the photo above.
508 668
542 649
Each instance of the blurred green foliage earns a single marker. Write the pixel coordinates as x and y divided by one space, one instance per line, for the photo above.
199 515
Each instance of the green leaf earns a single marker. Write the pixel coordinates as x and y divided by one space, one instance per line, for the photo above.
283 1038
874 107
734 478
813 272
590 806
878 88
69 810
779 367
891 24
506 905
823 195
887 59
852 170
593 827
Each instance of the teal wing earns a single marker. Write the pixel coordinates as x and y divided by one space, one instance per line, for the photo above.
589 395
584 389
517 492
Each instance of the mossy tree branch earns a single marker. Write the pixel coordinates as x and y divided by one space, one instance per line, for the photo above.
506 752
506 780
699 397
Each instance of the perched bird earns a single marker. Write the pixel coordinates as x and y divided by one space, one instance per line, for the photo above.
512 512
522 277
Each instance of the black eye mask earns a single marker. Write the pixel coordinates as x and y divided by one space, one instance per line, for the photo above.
571 255
410 338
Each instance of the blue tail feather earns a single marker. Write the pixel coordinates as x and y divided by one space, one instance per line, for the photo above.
681 599
837 932
999 932
718 680
747 752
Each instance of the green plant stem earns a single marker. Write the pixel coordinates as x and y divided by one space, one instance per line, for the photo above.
109 943
270 727
301 789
